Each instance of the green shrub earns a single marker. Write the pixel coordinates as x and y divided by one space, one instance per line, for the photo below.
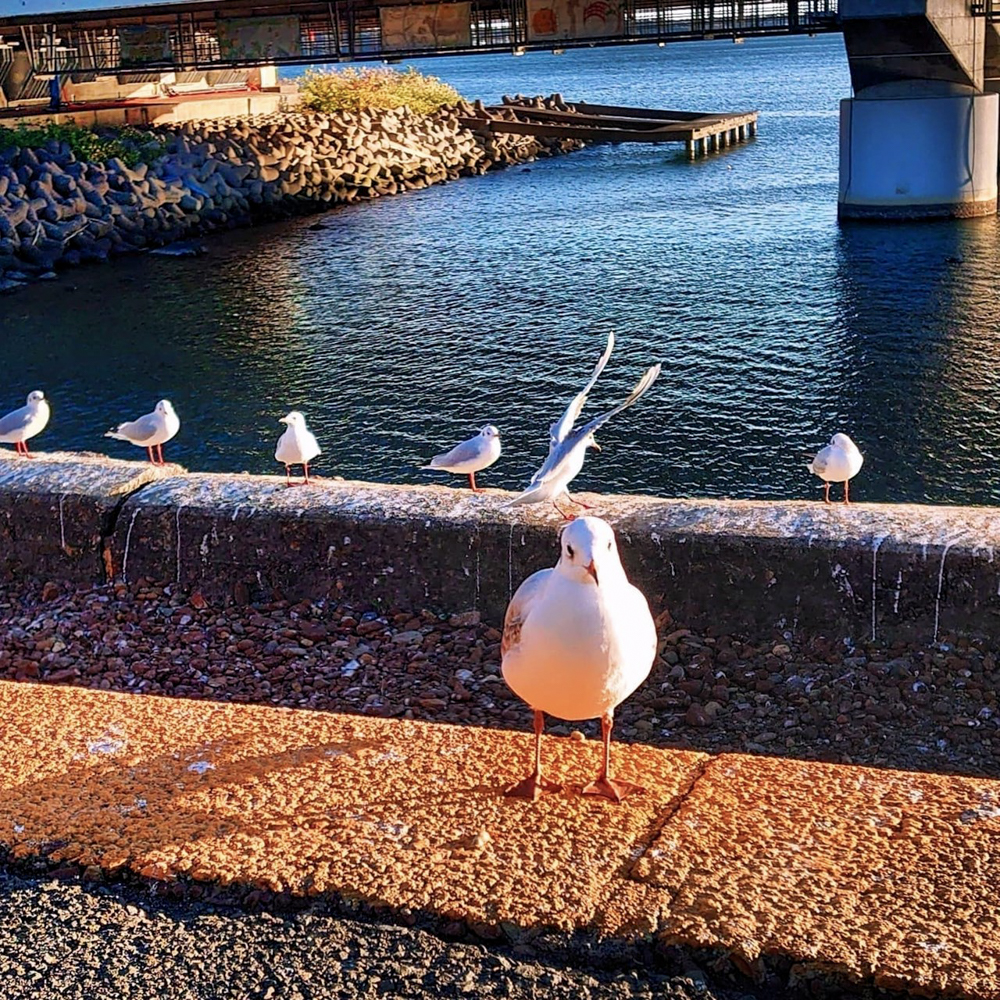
375 88
131 145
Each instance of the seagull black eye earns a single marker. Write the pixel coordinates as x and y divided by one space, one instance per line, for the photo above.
569 551
609 546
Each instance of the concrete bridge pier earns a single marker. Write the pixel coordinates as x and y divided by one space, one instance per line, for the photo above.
920 137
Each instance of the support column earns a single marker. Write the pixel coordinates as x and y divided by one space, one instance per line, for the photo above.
918 156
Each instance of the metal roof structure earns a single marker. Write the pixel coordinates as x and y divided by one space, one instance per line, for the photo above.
114 36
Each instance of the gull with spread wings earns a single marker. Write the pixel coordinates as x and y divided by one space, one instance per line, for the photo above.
568 447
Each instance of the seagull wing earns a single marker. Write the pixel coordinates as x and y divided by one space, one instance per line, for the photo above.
15 421
554 467
467 451
641 388
520 607
561 428
821 461
138 430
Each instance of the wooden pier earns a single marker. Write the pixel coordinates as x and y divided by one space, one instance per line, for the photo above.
701 132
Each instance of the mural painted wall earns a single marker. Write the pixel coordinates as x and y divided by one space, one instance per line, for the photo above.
561 20
259 38
424 26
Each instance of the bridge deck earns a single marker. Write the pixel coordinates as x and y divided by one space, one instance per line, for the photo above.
197 35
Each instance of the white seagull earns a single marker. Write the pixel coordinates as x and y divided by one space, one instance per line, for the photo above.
21 424
578 639
151 431
562 427
296 446
471 456
839 462
565 459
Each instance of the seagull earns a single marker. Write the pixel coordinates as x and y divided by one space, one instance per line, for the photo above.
471 456
839 462
578 639
296 446
565 459
24 423
562 427
151 431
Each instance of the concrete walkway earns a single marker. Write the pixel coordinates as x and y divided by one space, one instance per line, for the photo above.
882 876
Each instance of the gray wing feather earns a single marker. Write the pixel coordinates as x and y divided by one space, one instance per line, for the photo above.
464 452
15 421
819 463
142 429
640 390
562 427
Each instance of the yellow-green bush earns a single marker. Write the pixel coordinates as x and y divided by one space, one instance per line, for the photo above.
374 88
129 144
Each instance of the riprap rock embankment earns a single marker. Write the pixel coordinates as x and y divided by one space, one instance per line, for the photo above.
56 210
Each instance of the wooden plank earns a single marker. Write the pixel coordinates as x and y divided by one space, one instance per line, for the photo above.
556 131
575 118
613 109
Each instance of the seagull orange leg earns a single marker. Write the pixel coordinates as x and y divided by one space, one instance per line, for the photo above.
826 498
472 483
149 452
605 784
159 453
305 469
579 503
847 491
565 516
534 786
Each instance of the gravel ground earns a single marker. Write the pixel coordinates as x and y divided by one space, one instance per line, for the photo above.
916 708
62 941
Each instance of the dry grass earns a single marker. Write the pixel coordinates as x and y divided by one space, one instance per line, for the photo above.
377 88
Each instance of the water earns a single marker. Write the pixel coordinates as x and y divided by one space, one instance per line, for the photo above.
408 322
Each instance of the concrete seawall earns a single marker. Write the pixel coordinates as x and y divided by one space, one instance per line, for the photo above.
889 571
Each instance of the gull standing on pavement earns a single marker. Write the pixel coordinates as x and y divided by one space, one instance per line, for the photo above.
471 456
151 431
839 462
578 639
296 446
21 424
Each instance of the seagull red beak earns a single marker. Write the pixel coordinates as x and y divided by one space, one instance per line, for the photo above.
591 569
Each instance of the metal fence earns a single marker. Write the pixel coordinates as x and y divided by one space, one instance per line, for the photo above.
346 30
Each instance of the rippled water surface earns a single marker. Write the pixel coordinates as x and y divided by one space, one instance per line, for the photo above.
408 322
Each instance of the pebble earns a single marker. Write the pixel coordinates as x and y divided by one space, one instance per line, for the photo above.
871 703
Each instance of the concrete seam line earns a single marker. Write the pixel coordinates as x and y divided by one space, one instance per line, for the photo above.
661 822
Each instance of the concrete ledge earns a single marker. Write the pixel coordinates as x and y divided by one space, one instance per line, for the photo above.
894 570
881 877
889 571
56 508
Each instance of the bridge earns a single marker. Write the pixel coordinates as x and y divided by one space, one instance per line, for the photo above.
104 36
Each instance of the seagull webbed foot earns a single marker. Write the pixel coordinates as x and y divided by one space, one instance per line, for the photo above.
612 788
533 787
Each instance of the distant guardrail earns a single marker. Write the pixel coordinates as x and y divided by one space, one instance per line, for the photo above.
183 37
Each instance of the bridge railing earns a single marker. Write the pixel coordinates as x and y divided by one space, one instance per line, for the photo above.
302 32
